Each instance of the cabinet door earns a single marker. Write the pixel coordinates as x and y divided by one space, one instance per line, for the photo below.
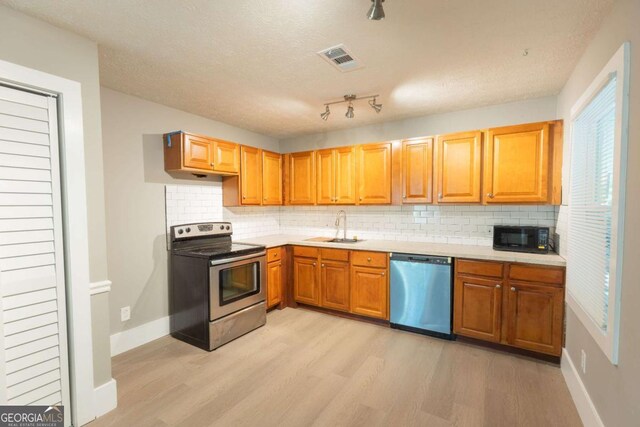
274 283
535 317
226 157
417 171
325 183
334 285
251 174
374 174
477 308
271 178
198 152
345 175
517 164
459 167
306 287
369 292
302 178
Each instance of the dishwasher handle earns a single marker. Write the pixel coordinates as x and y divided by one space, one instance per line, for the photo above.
426 259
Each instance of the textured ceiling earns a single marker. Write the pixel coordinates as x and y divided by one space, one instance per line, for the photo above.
253 63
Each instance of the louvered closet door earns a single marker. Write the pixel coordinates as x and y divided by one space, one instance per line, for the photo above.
33 327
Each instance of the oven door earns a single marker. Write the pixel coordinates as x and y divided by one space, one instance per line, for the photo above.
236 283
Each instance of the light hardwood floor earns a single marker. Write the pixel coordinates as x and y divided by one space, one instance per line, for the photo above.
307 368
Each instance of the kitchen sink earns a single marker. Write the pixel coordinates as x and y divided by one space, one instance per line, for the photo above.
344 241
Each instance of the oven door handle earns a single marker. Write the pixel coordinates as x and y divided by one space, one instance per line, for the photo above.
239 258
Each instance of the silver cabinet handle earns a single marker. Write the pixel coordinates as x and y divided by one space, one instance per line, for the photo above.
513 289
369 259
383 273
212 165
314 264
490 195
322 265
244 197
498 286
439 195
360 198
404 196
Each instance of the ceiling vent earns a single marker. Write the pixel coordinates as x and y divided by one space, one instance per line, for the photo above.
340 57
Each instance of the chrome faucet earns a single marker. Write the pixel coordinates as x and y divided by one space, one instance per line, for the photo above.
344 215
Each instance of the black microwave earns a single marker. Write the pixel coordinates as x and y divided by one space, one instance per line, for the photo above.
521 239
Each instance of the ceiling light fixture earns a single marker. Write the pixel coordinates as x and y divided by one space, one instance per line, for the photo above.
326 113
350 110
376 13
377 107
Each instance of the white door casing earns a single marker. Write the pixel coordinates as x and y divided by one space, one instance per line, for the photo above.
74 230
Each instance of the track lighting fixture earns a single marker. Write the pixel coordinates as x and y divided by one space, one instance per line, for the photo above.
376 13
350 114
377 107
326 113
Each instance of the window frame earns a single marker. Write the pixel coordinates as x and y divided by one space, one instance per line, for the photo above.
618 65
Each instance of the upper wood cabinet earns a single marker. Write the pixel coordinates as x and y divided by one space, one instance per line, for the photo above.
336 176
300 178
417 171
458 167
271 178
374 173
250 176
200 154
517 164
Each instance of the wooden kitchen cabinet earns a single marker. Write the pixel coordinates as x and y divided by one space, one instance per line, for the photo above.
417 170
200 155
535 317
520 305
336 176
274 283
271 178
306 283
370 292
478 308
250 176
374 173
517 164
300 178
458 167
334 285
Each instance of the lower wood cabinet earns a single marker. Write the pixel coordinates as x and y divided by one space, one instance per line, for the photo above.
334 285
306 284
274 276
520 305
369 292
337 279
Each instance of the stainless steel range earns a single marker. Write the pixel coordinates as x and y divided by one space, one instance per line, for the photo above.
217 289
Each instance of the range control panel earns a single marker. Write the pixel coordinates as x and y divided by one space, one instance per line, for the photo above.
185 231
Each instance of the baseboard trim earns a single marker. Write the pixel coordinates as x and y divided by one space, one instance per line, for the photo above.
106 397
584 404
135 337
99 287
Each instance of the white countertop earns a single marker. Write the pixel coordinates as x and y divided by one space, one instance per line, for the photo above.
419 248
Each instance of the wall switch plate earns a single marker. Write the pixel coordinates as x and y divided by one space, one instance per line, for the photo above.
583 361
125 313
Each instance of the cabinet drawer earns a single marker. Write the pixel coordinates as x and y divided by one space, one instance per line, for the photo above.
537 273
369 259
334 254
479 268
305 251
274 254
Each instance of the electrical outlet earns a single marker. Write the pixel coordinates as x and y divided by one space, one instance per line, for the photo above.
583 361
125 313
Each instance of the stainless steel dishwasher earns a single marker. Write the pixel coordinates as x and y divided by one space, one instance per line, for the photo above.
421 294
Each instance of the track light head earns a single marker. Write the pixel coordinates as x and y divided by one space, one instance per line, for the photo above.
375 106
349 114
376 13
326 113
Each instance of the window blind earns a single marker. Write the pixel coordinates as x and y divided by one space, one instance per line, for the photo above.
590 204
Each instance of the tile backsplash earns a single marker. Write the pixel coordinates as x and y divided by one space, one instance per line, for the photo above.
462 224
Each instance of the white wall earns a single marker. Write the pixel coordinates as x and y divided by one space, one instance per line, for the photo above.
533 110
35 44
135 198
615 391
